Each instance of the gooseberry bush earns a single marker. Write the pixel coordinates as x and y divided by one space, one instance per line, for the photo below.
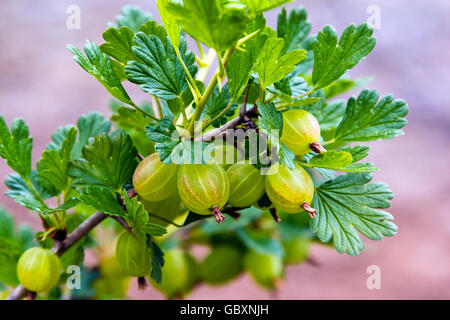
144 188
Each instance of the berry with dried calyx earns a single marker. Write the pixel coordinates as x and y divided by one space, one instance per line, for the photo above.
204 189
290 190
301 132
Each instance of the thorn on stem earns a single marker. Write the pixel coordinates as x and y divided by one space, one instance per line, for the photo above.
142 283
311 211
274 213
218 215
317 147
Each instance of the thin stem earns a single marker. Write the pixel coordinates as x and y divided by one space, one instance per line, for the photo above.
191 80
304 94
143 111
165 220
207 63
200 49
222 113
209 90
158 104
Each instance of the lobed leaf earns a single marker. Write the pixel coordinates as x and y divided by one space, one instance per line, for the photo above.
348 204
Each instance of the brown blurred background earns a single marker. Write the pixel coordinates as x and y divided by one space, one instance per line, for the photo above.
40 82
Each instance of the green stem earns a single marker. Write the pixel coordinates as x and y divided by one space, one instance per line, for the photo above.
304 94
165 220
191 80
143 111
158 104
208 123
200 49
209 90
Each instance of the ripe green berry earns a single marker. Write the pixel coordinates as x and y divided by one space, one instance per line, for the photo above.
290 190
246 185
222 264
154 180
265 269
175 274
132 254
38 269
296 249
301 132
204 189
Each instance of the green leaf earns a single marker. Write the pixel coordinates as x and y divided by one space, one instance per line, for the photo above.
21 192
271 67
133 123
101 198
358 152
335 160
218 101
108 162
172 27
368 119
217 26
259 6
54 165
132 17
58 137
139 217
15 146
329 115
160 74
6 224
164 133
349 204
270 122
157 259
118 44
241 62
332 58
10 252
293 29
100 66
89 126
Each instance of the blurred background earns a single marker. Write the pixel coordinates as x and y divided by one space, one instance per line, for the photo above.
41 83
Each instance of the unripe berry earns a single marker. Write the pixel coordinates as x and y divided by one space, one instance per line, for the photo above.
296 249
154 180
290 190
301 132
204 189
38 269
133 255
246 185
265 269
174 274
221 265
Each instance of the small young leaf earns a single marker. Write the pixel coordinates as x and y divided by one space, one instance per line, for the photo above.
348 204
118 44
368 119
271 67
165 135
333 59
293 29
15 146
